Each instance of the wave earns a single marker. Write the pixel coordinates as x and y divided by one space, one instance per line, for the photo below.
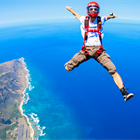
30 87
26 98
35 118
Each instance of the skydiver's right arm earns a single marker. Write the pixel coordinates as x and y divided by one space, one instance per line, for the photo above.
73 12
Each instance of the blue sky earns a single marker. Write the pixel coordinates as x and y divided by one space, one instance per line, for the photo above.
28 10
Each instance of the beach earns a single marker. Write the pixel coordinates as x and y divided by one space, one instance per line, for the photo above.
20 107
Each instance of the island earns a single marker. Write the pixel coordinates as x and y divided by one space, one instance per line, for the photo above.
14 125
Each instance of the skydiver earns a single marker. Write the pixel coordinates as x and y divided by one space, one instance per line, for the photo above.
92 32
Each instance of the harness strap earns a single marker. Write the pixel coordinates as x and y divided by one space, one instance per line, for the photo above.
84 49
99 52
99 24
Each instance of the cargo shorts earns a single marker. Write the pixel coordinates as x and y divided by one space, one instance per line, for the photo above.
103 59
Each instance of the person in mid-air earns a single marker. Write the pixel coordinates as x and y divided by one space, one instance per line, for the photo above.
92 32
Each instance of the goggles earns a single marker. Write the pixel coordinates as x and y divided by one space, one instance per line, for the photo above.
93 9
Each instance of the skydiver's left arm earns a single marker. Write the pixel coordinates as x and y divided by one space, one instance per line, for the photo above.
110 16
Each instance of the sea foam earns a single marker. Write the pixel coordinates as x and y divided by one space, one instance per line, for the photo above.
26 98
29 88
35 118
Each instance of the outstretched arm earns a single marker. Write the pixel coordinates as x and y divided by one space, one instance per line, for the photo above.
110 16
73 12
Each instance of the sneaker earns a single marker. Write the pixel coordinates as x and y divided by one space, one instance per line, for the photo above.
128 96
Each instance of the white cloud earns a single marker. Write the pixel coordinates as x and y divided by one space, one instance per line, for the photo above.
69 17
72 17
124 18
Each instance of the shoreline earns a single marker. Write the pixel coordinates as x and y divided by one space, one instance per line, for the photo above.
21 104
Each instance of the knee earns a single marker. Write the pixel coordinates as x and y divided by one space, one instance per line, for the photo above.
68 68
112 71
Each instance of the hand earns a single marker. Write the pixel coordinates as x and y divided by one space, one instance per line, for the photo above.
112 15
68 8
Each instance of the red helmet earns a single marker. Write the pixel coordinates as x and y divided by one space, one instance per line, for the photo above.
96 11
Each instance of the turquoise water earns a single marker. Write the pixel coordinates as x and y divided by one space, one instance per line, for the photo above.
84 103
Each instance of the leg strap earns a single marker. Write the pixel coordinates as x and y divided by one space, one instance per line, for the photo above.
85 51
99 52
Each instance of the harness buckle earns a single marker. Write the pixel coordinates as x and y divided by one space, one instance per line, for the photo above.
99 52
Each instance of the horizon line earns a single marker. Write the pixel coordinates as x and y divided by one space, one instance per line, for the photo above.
72 17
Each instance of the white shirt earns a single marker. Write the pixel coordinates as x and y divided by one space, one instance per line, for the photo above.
93 37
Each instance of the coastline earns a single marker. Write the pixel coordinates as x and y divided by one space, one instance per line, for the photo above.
20 107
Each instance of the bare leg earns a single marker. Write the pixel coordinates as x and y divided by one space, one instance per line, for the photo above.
118 80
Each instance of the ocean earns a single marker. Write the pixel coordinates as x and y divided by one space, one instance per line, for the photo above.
84 103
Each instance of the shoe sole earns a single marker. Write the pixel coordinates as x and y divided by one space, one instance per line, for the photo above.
129 97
